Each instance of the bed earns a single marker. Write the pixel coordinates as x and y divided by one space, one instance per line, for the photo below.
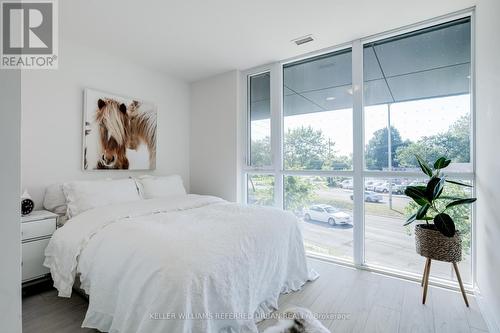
182 263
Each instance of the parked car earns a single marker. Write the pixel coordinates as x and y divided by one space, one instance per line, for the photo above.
385 188
380 187
368 184
347 184
326 213
399 189
372 186
370 197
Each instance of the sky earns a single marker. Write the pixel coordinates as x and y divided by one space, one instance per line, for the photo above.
413 119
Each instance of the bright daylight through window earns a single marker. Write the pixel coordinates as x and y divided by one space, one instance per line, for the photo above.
260 120
416 100
417 88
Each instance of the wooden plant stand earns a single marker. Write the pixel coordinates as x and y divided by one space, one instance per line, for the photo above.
425 280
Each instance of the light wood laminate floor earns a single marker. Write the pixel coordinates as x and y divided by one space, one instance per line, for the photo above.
372 303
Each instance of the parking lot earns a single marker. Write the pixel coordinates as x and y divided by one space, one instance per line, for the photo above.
387 242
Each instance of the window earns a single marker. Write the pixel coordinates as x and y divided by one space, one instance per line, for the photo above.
417 88
317 97
388 244
324 207
260 120
260 190
327 145
317 126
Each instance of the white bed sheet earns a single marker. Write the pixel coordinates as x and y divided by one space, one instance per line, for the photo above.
150 265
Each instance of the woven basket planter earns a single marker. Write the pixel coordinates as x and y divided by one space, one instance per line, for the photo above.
430 243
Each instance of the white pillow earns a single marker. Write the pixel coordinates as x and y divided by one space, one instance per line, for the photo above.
85 195
54 199
159 187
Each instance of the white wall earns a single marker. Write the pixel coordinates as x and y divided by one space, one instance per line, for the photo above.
214 157
10 221
52 116
488 158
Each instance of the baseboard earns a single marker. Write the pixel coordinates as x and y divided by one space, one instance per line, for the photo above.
486 310
37 286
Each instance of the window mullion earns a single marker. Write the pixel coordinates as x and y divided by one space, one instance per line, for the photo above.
276 85
357 158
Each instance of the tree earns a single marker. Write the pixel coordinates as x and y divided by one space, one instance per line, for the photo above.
377 155
261 190
454 143
305 148
261 152
299 192
425 147
338 162
457 139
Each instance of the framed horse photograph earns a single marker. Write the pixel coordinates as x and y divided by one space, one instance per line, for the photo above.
119 133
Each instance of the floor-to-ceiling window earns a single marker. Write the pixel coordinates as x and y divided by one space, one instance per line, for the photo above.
317 150
259 186
416 101
303 141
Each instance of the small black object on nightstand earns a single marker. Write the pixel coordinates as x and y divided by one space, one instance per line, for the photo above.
27 204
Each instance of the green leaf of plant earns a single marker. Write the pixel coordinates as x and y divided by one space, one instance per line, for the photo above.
441 163
417 194
431 185
444 223
421 187
422 211
423 165
461 202
410 219
458 183
438 189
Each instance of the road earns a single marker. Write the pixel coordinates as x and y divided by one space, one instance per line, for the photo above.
387 241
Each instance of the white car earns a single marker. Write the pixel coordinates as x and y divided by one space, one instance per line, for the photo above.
370 197
346 184
327 213
382 187
395 188
372 186
369 184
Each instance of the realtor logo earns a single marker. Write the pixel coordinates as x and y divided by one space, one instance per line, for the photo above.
29 34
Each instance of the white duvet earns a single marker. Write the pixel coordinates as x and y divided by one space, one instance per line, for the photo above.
184 264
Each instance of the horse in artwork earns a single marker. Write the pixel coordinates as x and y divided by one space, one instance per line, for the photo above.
122 128
113 122
142 130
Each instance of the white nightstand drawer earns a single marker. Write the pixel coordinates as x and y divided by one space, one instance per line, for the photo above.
36 229
33 257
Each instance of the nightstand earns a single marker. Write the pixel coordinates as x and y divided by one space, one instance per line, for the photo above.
36 230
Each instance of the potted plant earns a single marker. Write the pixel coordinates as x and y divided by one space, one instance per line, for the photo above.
437 238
